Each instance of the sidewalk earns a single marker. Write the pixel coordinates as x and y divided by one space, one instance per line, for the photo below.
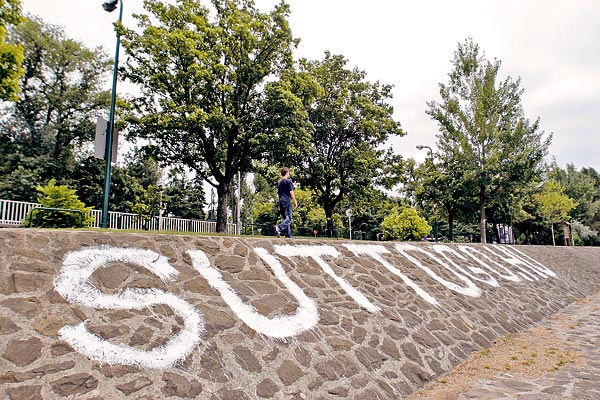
558 359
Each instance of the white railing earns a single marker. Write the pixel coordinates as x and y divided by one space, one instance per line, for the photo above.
14 213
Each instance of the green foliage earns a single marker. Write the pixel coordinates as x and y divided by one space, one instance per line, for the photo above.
11 54
405 225
442 191
554 205
484 132
584 236
184 197
582 186
53 196
52 120
308 215
350 119
203 81
128 180
148 204
259 205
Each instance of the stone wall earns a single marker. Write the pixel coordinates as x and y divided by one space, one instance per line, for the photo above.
99 315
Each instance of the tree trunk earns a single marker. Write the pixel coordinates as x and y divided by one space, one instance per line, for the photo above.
496 237
222 206
450 226
552 229
482 214
329 218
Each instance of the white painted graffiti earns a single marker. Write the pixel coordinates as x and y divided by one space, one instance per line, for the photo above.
72 284
317 253
306 316
376 252
467 264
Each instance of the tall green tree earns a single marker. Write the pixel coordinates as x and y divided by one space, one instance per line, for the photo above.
554 205
207 81
350 119
130 181
54 116
483 127
11 54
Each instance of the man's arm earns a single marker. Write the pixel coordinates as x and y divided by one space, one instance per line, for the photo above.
294 198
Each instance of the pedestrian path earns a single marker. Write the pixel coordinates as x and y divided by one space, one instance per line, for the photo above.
559 359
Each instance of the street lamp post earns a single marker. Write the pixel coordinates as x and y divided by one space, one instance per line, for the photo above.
110 6
435 223
421 147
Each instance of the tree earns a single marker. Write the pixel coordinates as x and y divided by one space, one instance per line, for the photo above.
204 82
583 235
147 204
483 127
442 189
184 196
405 225
554 205
350 118
130 180
11 54
53 117
583 187
59 197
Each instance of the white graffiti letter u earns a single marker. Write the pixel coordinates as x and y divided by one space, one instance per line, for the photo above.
305 318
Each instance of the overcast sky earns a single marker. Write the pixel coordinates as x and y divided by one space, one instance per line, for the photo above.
553 45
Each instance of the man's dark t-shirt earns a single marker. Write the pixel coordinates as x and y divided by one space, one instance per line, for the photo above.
284 188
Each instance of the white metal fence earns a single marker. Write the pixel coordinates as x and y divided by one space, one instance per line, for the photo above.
14 213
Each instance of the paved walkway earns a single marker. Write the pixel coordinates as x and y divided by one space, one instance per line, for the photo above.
574 331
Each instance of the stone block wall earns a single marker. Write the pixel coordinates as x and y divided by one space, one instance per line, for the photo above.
99 315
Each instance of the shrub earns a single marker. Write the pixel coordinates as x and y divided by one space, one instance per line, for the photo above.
583 235
53 196
405 225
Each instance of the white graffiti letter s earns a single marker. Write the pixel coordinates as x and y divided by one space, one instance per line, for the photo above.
72 284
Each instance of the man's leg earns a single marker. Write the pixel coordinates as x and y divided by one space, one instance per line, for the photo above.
288 219
281 227
286 216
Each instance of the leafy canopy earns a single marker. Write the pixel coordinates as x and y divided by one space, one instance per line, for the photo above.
350 118
51 123
11 54
207 85
484 132
555 206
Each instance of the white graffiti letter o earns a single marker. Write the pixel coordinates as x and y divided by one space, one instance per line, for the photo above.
72 284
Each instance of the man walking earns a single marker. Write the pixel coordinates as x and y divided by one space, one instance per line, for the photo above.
285 192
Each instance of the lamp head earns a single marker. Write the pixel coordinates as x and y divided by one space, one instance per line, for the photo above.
110 5
420 147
